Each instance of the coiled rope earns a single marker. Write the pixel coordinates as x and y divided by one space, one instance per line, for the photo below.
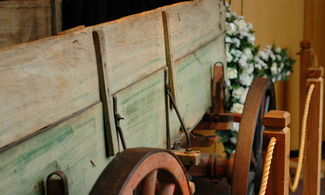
270 149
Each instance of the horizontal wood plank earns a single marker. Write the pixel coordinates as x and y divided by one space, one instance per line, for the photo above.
134 48
193 24
193 83
44 81
75 147
143 108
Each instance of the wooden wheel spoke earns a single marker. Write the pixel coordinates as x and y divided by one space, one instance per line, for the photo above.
167 189
149 183
260 99
143 171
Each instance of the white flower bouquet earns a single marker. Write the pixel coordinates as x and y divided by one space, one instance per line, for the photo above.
244 63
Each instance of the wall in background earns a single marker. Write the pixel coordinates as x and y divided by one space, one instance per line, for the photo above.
280 22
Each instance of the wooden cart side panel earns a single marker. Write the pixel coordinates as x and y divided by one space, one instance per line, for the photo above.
75 147
142 106
23 21
135 44
134 48
193 84
44 81
194 24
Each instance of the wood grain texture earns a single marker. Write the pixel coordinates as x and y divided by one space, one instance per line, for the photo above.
277 119
44 81
142 106
193 24
23 21
278 183
105 93
312 156
276 123
134 48
69 147
193 86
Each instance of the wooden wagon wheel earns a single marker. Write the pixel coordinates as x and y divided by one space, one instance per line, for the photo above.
143 171
247 171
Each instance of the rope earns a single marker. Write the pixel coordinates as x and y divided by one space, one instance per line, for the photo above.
293 187
270 149
267 165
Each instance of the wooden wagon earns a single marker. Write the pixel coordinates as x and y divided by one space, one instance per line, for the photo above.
71 103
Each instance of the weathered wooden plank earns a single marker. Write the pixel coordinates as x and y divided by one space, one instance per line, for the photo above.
75 147
44 81
143 108
23 21
105 93
194 24
134 48
194 73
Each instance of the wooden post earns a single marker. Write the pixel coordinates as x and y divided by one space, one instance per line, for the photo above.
312 158
305 62
276 123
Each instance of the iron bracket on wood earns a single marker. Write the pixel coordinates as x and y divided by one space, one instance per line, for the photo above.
57 186
217 118
118 117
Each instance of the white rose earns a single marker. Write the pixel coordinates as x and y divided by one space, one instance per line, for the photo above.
237 42
263 55
235 127
281 66
249 25
249 69
228 83
229 57
246 79
237 93
243 61
233 140
278 50
243 96
231 28
272 56
231 73
248 53
278 57
258 66
251 38
242 25
274 68
288 73
279 78
237 108
228 39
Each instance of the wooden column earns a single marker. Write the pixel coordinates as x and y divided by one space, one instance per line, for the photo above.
305 62
312 158
276 123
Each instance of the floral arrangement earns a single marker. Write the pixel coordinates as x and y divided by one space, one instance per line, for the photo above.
244 62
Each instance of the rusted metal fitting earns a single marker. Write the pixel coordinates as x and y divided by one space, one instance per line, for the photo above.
57 184
213 166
